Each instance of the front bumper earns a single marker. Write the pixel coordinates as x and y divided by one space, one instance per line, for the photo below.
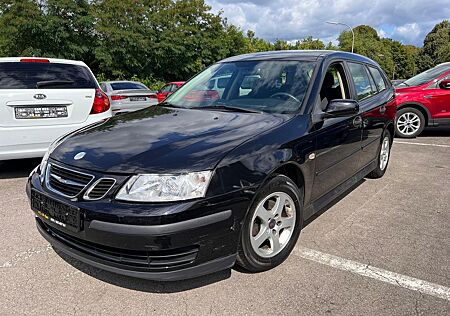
60 243
138 240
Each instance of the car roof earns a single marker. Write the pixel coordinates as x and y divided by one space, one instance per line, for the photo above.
299 55
122 81
51 60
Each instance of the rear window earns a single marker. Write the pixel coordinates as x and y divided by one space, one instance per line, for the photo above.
379 81
22 75
127 86
361 80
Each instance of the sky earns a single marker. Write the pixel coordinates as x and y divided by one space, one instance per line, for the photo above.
407 21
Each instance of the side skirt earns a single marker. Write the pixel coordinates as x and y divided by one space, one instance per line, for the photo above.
329 197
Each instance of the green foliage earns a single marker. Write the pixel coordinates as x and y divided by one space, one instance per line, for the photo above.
164 40
436 46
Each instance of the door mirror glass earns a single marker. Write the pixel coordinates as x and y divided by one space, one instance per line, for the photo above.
342 108
445 84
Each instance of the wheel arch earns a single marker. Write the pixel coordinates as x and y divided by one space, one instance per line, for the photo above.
293 172
418 106
391 128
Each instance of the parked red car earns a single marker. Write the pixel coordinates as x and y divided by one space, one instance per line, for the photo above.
168 89
423 100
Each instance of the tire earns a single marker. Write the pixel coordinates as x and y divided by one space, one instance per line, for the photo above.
384 152
409 123
268 221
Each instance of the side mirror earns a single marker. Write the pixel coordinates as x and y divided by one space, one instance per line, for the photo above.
444 84
341 108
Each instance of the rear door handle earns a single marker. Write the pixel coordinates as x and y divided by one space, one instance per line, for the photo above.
428 96
383 109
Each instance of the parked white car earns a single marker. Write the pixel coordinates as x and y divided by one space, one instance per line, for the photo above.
42 99
128 96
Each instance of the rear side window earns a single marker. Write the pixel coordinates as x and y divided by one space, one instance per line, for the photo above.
23 75
127 86
222 83
361 80
166 88
379 81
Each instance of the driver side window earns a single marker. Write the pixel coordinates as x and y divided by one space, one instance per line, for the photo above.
166 88
334 85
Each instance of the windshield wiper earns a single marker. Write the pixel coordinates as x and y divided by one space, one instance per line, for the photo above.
227 108
48 83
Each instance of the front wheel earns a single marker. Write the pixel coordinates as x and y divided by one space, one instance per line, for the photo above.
272 225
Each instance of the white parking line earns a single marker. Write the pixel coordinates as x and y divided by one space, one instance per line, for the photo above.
369 271
421 144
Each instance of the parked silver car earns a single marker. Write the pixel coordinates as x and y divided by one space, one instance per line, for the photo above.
128 96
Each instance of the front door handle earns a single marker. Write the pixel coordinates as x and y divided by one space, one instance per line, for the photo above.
383 109
357 121
428 96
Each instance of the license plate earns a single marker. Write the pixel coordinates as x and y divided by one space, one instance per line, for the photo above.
57 212
138 98
40 112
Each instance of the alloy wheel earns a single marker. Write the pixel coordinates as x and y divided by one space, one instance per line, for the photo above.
272 224
384 153
408 123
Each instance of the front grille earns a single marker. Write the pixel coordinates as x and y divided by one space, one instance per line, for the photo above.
66 182
99 189
156 260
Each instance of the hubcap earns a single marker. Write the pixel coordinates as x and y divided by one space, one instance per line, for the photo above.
408 123
384 153
272 224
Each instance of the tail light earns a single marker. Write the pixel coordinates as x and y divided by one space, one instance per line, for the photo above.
101 102
118 97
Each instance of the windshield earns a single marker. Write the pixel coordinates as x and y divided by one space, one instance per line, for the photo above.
425 76
259 86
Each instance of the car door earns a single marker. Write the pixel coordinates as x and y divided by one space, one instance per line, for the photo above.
375 97
440 99
338 140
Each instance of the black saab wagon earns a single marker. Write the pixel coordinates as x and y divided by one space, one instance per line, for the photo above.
224 171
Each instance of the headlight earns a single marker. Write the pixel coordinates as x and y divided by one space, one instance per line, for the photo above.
164 188
51 148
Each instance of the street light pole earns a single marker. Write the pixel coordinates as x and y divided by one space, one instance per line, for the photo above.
351 29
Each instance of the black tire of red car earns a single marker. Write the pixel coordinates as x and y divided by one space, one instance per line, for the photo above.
413 112
247 257
382 167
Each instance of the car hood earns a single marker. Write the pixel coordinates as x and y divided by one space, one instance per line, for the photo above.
161 139
407 89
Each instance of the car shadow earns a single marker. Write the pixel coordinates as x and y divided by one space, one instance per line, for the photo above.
143 285
435 132
18 168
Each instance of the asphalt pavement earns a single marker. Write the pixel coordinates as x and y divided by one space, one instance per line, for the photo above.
382 249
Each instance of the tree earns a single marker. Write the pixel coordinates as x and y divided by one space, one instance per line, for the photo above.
309 43
368 43
125 36
436 46
68 31
21 23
